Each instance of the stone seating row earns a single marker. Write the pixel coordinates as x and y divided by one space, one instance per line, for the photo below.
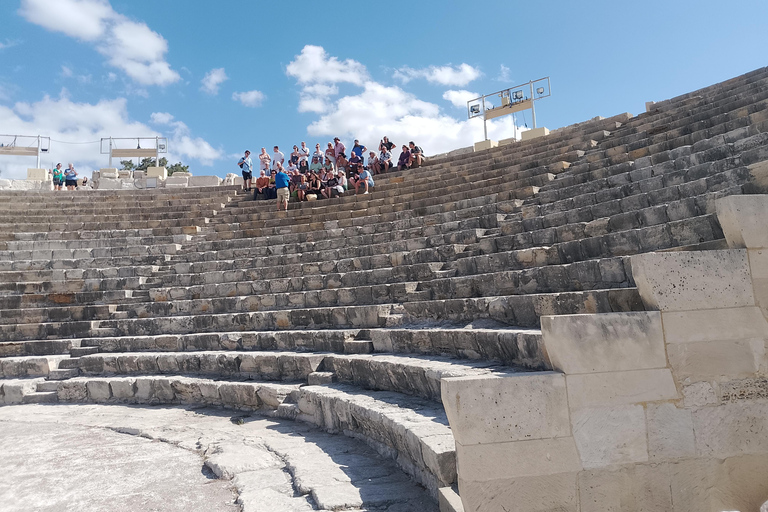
96 252
83 234
86 197
520 310
516 347
94 225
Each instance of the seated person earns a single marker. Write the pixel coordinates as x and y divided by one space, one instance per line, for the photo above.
302 187
272 188
385 160
341 162
404 162
314 185
290 168
262 183
373 163
295 178
316 165
355 164
417 155
365 179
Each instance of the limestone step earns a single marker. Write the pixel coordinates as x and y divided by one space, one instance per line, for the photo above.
63 374
474 341
47 386
83 351
29 366
407 374
41 397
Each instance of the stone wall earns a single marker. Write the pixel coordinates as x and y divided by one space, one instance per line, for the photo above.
664 410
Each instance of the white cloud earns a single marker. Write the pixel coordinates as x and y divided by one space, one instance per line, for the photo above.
128 45
161 118
318 73
212 80
380 110
459 98
249 98
82 19
66 71
314 66
68 121
443 75
504 74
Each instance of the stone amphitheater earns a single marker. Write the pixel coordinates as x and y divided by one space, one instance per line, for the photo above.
571 323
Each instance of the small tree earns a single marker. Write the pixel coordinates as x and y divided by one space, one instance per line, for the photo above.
177 167
128 165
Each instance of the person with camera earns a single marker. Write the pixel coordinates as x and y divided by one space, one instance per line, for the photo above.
246 166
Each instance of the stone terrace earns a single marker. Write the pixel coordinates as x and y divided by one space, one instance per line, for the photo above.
347 313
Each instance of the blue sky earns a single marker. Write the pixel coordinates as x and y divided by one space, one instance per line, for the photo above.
217 78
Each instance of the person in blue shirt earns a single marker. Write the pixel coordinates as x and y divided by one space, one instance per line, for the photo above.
70 177
281 184
365 179
246 166
359 149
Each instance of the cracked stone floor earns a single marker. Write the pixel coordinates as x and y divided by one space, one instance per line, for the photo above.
94 458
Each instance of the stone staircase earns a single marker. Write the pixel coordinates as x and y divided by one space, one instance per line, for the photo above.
349 313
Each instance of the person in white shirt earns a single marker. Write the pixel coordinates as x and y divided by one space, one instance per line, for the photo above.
318 153
303 157
277 157
264 160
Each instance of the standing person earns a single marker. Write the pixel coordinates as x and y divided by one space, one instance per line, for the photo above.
330 154
404 162
295 156
281 184
246 166
387 144
338 147
264 160
358 149
58 177
70 177
319 153
277 158
304 157
417 155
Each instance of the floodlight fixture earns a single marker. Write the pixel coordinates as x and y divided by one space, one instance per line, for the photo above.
161 147
474 109
518 95
540 90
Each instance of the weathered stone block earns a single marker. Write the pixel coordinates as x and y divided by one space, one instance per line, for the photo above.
681 281
506 408
741 218
635 488
98 390
72 391
670 432
620 388
714 325
716 360
610 435
604 343
544 493
731 429
489 462
239 394
123 389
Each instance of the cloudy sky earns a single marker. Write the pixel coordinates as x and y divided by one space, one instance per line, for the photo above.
218 78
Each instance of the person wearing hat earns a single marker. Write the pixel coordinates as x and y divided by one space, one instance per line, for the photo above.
338 147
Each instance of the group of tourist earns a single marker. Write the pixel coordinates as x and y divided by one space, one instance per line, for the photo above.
322 174
65 177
